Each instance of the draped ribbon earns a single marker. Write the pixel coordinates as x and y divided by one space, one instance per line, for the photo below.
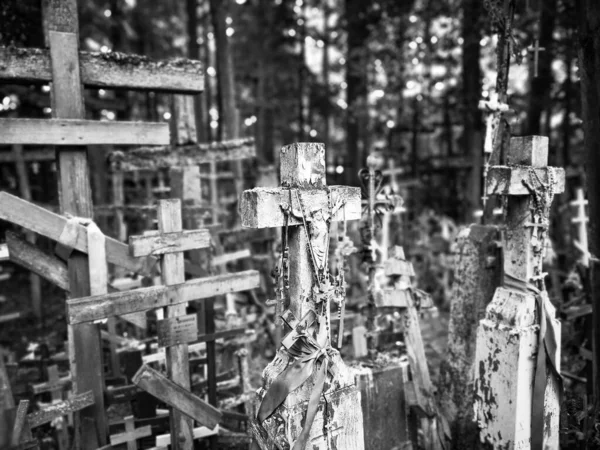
547 358
308 353
96 244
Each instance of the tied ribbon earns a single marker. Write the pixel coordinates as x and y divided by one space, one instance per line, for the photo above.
547 358
308 352
96 250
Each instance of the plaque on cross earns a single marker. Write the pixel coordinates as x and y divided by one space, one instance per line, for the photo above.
289 413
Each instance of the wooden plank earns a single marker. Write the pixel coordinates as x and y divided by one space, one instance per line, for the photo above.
29 156
163 440
93 308
173 273
52 385
220 335
175 396
160 355
154 158
225 258
163 243
82 132
32 258
10 316
4 253
177 330
20 425
77 403
106 70
75 198
131 434
48 224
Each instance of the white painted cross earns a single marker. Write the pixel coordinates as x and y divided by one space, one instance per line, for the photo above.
313 205
581 220
511 412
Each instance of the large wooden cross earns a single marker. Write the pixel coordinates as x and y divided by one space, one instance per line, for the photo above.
507 338
309 205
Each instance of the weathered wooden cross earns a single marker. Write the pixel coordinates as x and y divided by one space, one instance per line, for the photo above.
69 70
581 220
519 321
309 205
168 243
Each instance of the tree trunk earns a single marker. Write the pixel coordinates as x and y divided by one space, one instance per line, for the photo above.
471 93
539 94
225 74
589 69
356 78
194 53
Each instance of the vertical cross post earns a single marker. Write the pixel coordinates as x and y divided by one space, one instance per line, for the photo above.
310 205
178 370
76 199
507 405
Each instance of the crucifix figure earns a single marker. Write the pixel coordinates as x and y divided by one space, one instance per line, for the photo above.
518 380
306 368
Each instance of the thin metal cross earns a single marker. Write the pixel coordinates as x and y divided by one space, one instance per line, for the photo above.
536 49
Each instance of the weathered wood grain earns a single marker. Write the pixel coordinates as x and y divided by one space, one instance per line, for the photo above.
106 70
177 397
88 309
163 440
154 158
82 132
507 180
261 206
48 224
32 258
163 243
77 403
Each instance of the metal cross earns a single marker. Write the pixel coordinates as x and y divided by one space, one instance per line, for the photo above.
536 49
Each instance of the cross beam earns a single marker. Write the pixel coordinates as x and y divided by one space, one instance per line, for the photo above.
82 132
106 70
185 155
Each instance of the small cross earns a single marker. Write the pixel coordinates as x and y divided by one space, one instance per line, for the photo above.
536 49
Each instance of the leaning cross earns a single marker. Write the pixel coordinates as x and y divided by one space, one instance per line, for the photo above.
507 338
313 205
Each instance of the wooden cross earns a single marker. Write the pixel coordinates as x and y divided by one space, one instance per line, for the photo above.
303 177
131 434
581 220
507 338
535 49
313 205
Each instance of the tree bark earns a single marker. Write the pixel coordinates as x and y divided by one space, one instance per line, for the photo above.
356 79
471 93
539 94
589 69
225 74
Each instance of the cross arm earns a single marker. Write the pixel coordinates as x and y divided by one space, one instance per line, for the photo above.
153 158
508 180
261 207
98 307
82 132
106 70
157 243
48 224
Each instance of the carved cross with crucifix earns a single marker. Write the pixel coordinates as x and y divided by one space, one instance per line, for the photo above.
306 205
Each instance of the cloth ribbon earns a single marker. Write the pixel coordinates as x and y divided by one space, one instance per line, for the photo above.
96 244
547 358
308 353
